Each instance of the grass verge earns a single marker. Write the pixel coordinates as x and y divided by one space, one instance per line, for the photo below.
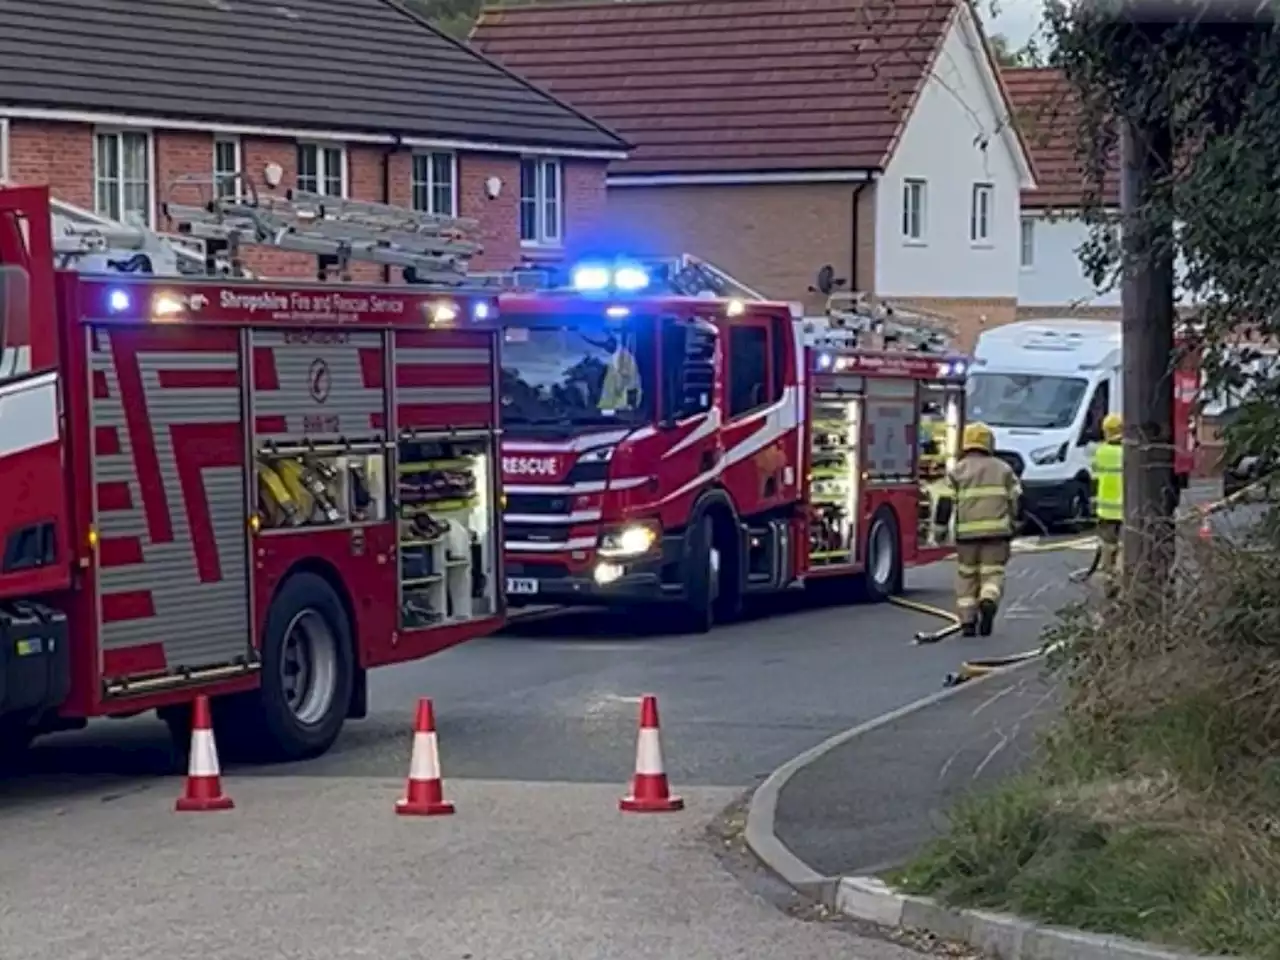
1153 810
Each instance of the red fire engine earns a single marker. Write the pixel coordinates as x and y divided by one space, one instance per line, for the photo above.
255 491
694 449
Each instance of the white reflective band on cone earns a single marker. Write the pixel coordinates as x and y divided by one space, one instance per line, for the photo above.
204 755
424 763
648 752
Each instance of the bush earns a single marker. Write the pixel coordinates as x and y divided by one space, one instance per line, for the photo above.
1153 810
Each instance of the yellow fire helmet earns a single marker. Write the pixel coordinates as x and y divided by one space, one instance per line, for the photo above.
977 436
1112 427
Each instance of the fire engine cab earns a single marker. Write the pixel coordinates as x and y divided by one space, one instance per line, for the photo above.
256 491
669 437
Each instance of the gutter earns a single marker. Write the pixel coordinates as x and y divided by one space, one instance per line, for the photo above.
853 234
387 153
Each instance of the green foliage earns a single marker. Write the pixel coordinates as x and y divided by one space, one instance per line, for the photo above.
1150 810
1216 89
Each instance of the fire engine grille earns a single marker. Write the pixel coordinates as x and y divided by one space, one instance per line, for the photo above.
543 571
537 532
537 504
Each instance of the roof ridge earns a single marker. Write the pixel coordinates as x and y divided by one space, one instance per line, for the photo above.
401 7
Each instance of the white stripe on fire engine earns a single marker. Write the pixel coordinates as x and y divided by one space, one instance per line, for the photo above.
779 419
28 414
596 486
581 516
573 445
577 543
709 425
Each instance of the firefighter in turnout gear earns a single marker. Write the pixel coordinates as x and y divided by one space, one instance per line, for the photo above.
986 494
1108 474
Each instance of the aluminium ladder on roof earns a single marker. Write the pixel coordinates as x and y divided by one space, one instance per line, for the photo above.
432 249
856 320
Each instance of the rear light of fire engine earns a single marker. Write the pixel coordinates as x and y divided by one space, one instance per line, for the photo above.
629 541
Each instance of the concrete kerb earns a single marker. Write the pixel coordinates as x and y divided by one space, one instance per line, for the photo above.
872 900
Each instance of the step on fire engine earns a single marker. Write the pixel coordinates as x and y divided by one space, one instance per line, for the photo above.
670 437
217 485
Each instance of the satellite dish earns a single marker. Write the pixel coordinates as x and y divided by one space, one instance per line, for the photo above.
826 280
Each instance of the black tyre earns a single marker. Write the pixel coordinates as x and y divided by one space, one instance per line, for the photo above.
307 672
883 553
1079 512
702 576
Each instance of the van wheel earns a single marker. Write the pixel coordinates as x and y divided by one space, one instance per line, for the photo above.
308 671
883 575
1078 514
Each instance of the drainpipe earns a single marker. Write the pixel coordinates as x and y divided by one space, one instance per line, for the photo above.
853 228
387 154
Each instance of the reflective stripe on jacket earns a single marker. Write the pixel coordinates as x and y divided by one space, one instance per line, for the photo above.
1108 467
987 494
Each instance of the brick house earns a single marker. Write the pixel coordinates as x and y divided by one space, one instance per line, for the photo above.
773 137
109 111
1052 282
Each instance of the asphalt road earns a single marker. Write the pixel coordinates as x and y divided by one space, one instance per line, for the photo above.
537 732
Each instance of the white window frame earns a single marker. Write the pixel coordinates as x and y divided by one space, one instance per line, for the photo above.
322 172
1027 243
982 205
918 188
543 237
120 133
5 148
429 184
238 148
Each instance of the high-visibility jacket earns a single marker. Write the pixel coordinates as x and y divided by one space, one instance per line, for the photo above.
621 375
986 492
1108 468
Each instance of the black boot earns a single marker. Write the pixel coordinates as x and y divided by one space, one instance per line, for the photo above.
986 617
969 629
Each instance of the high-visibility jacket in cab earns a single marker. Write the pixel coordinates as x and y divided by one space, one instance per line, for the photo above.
1108 468
986 492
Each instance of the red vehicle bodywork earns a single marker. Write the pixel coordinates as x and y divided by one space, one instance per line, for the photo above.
133 468
569 486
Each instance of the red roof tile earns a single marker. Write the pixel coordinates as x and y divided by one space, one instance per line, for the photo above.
1048 114
732 86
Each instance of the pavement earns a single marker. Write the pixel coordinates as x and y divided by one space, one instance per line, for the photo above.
537 734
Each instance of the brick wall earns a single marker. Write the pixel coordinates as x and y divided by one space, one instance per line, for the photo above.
772 237
61 155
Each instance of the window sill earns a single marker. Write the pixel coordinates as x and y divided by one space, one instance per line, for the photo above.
982 245
908 242
537 248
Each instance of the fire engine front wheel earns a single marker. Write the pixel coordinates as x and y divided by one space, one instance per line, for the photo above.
307 670
702 579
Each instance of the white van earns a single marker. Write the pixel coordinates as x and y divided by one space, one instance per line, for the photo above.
1044 387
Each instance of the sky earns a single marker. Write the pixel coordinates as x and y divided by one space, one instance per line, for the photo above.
1016 19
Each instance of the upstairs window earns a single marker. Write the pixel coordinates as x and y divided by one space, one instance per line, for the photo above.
981 213
227 166
433 183
541 202
122 176
322 169
913 210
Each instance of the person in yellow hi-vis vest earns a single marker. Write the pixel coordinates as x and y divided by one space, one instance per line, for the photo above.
1108 474
986 494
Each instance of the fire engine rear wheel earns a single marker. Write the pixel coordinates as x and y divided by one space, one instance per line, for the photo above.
883 576
307 669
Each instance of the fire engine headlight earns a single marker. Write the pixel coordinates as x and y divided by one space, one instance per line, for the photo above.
633 540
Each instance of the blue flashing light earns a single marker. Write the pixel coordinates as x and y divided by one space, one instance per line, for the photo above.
118 301
617 313
481 310
824 361
591 278
630 279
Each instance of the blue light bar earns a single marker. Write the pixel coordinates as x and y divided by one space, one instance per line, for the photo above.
599 278
118 301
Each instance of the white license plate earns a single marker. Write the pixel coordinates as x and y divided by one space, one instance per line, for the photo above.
521 586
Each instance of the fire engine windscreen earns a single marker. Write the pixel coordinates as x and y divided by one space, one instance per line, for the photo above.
1029 401
589 374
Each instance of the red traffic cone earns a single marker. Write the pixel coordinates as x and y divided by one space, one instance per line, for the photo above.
424 793
204 779
650 792
1205 532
